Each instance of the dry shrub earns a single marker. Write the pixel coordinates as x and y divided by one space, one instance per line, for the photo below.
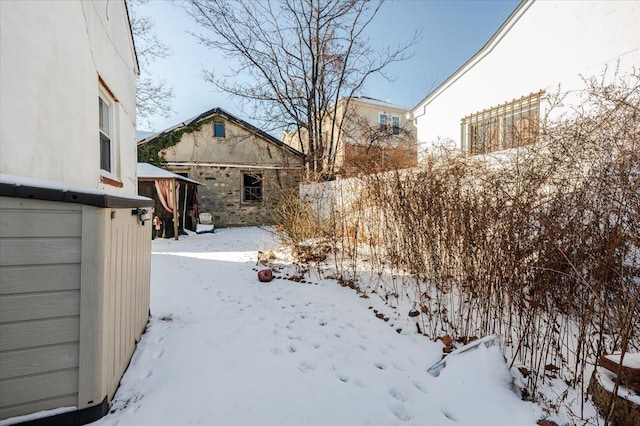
539 244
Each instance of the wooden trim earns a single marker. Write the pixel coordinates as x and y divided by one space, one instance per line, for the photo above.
112 182
105 86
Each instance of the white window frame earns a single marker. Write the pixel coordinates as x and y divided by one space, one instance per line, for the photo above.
395 125
108 132
383 121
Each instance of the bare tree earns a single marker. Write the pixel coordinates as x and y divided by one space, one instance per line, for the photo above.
153 95
299 57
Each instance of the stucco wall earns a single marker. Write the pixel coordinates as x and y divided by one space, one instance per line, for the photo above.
239 146
547 43
52 53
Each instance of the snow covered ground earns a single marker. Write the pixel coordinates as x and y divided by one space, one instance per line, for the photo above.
223 348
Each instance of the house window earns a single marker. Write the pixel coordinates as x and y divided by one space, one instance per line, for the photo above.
105 111
395 123
251 187
383 122
506 126
218 129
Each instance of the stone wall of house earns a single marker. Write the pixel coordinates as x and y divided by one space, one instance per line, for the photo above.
221 193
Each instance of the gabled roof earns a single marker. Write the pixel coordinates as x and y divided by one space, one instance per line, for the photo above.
480 54
149 171
220 112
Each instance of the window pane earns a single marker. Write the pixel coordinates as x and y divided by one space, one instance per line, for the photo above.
252 187
104 113
395 121
218 130
105 152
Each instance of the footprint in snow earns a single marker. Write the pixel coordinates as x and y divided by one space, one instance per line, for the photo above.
306 366
400 412
146 374
292 349
397 366
159 354
380 365
396 394
419 386
342 377
359 383
448 415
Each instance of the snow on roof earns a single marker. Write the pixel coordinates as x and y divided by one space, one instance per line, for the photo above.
378 102
149 171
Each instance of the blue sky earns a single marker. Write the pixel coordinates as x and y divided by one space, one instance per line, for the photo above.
452 31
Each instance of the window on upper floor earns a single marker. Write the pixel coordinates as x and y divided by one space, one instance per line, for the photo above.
382 120
395 125
251 187
218 129
106 132
510 125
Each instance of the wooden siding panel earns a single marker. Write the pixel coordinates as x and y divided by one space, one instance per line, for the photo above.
39 306
34 407
22 390
29 334
39 251
47 223
38 360
29 279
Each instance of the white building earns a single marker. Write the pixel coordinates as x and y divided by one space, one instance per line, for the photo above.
58 59
74 248
501 90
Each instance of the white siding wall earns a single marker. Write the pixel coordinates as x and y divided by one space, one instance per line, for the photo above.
51 55
551 42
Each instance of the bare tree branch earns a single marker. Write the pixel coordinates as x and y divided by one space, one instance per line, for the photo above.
297 58
153 95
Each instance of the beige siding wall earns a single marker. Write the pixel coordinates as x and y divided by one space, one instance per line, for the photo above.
39 305
74 300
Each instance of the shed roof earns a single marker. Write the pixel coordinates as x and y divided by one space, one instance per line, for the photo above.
149 171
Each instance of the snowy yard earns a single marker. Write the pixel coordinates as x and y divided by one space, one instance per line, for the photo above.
223 348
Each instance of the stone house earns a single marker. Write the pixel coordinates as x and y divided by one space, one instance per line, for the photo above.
242 169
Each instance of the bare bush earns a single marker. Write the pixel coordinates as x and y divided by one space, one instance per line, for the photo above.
539 244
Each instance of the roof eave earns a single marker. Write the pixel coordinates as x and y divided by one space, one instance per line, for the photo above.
484 50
